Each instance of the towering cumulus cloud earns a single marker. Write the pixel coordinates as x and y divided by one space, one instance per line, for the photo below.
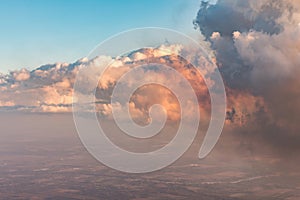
257 46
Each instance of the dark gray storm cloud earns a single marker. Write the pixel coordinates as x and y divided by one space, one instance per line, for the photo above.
257 47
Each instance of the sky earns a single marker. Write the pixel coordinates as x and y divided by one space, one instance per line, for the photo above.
37 32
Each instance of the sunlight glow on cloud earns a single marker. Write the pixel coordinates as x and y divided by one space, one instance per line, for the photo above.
49 88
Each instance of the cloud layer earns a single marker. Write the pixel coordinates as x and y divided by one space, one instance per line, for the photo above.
49 88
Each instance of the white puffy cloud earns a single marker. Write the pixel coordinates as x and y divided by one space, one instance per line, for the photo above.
215 35
21 75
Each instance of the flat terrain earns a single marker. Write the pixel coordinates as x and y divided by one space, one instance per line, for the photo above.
41 157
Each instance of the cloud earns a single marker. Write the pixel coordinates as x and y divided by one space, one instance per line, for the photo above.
21 75
49 88
257 48
46 89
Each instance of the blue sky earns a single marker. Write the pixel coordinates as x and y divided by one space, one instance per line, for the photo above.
36 32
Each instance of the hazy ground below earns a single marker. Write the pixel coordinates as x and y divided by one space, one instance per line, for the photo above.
41 157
